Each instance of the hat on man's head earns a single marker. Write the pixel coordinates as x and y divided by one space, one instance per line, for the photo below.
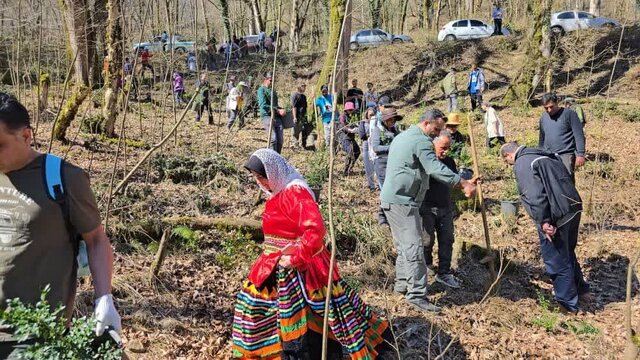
324 88
391 113
242 83
384 101
268 75
453 119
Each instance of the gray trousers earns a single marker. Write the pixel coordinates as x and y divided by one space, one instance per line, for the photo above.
368 165
327 136
452 103
411 270
569 161
277 132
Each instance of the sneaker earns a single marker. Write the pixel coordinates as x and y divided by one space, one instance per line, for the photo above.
448 280
424 305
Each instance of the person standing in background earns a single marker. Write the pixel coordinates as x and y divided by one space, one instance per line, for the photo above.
497 14
476 85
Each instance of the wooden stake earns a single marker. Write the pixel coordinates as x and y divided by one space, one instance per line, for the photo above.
160 255
476 169
332 233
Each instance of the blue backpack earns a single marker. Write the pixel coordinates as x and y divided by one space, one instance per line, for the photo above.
54 183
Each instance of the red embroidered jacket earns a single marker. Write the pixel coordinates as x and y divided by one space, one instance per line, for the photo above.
292 217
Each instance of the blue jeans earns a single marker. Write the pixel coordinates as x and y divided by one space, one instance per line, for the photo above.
277 132
561 264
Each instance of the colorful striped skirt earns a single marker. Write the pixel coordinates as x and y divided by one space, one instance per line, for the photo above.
282 319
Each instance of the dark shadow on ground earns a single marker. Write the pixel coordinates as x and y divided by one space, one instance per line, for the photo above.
417 336
607 277
608 280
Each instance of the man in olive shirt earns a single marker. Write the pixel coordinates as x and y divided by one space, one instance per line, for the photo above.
36 248
268 106
412 162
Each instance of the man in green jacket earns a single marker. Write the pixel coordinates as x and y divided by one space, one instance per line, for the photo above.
412 162
449 89
267 105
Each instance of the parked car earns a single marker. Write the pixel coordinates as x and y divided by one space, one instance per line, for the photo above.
465 29
375 37
178 43
566 21
252 43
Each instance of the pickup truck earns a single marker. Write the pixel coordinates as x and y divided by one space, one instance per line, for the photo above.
179 44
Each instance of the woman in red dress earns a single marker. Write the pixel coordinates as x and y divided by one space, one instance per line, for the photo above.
280 309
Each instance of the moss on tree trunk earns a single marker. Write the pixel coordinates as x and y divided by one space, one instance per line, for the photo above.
114 57
530 75
338 12
69 111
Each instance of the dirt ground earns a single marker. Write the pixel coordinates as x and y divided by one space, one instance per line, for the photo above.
187 310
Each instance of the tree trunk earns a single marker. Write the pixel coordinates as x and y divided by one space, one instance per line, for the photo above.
375 7
338 12
530 75
206 19
224 12
258 21
76 21
424 17
438 11
95 40
594 7
293 28
113 41
403 15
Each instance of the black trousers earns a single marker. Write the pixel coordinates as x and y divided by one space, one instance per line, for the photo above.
352 151
476 100
497 28
438 224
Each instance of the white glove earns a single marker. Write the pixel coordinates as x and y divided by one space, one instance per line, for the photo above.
106 314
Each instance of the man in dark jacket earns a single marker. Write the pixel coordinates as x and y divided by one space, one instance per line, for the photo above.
551 199
561 133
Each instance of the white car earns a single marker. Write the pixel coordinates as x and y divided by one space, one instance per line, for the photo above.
566 21
375 37
465 29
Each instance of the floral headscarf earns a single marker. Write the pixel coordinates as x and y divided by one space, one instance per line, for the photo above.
280 174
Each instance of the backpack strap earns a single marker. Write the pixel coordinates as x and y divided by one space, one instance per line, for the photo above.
53 178
54 183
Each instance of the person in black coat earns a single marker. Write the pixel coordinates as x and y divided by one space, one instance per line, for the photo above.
551 199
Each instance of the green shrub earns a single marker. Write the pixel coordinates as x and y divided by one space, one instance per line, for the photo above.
237 248
600 107
317 171
53 339
549 318
186 238
581 328
510 191
630 115
186 170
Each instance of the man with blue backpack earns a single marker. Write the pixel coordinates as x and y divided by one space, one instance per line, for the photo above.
46 207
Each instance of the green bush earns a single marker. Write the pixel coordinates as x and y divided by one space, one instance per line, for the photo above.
52 338
186 170
630 115
600 107
237 248
187 238
317 171
549 318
